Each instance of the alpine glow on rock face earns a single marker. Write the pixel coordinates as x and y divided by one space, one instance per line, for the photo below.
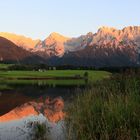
107 47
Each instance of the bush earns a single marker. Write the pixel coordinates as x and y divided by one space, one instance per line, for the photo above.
40 131
86 74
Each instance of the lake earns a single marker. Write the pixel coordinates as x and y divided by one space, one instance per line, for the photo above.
14 93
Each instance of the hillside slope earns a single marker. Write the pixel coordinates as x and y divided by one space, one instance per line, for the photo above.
9 52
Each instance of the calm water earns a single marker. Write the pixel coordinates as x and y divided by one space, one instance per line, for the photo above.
13 94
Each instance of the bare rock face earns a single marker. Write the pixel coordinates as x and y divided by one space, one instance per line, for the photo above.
58 45
76 44
131 33
51 109
109 47
52 45
20 41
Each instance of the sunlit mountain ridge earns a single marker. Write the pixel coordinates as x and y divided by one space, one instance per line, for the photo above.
107 47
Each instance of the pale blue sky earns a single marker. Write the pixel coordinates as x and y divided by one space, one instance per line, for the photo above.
38 18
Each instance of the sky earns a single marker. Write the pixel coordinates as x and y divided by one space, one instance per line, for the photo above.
38 18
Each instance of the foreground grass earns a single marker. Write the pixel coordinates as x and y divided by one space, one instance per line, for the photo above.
108 111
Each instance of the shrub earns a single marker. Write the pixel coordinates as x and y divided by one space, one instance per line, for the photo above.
40 131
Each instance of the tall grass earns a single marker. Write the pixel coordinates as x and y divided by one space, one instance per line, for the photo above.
110 110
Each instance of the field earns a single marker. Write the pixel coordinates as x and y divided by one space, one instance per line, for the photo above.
9 78
93 75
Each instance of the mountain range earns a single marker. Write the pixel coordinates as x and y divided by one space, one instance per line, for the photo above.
107 47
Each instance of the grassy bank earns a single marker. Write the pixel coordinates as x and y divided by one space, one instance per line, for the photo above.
4 66
108 111
66 78
93 75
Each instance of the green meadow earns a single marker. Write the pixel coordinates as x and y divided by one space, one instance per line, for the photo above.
93 75
12 77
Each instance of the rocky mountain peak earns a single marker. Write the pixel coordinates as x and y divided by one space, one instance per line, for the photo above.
20 40
106 29
131 28
57 37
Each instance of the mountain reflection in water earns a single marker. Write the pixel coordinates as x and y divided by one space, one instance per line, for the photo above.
23 97
52 109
